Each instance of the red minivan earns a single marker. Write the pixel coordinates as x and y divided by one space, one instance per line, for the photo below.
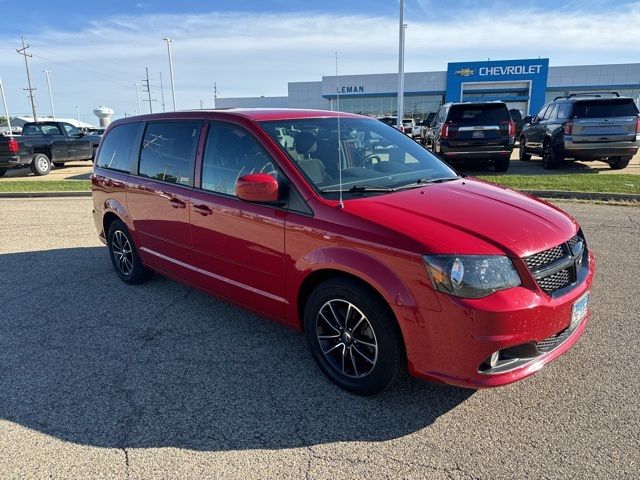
342 227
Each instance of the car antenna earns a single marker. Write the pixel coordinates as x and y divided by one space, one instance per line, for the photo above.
340 202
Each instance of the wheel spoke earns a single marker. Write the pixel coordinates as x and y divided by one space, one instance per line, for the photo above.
353 361
346 317
364 356
332 348
344 354
328 322
334 314
327 337
354 329
372 345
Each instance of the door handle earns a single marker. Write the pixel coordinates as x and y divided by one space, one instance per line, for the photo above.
177 203
202 210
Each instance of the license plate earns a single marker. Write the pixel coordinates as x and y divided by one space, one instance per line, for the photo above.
478 134
579 310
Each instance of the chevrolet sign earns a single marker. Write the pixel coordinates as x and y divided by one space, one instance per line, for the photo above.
509 70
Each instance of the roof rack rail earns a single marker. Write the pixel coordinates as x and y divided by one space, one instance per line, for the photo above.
587 94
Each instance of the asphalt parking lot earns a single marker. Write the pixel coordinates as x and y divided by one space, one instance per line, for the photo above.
100 379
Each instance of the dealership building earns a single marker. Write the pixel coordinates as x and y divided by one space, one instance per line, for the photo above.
523 84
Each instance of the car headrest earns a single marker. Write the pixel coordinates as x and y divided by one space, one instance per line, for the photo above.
305 142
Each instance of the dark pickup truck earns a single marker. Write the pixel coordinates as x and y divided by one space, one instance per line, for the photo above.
44 143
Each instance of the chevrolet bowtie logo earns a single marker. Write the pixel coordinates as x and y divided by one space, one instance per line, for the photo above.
465 72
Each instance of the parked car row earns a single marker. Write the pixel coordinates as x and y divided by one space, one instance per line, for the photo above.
585 126
45 143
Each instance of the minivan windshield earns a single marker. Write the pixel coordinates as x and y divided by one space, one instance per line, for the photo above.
374 157
624 107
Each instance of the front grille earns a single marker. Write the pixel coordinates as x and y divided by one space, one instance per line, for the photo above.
553 341
555 281
557 267
542 259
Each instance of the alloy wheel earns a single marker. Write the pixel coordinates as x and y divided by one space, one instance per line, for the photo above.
122 252
346 338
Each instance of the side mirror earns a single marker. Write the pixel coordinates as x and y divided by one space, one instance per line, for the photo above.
257 187
528 119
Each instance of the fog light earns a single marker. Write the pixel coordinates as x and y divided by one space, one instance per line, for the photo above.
493 359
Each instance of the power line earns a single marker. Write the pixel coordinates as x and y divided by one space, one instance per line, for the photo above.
23 52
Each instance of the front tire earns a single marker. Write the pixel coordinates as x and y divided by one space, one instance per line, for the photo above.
40 165
618 163
124 256
353 337
522 151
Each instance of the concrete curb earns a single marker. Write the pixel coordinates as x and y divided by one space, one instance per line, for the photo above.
625 197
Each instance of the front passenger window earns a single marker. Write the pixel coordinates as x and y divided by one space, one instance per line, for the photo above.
230 153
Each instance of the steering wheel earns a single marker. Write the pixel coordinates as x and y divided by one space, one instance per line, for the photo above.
367 162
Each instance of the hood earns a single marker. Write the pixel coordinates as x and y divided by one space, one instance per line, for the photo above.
469 217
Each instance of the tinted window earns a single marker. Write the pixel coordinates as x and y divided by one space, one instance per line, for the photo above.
430 118
605 108
31 130
169 150
564 109
71 130
119 148
551 112
541 113
488 114
516 116
42 129
232 152
362 151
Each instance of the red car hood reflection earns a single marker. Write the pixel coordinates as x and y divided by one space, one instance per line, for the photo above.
469 217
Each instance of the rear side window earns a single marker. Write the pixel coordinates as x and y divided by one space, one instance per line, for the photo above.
168 151
118 150
564 110
605 108
551 112
489 114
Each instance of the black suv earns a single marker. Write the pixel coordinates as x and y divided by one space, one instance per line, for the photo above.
478 131
583 126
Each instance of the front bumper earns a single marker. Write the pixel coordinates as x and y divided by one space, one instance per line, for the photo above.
450 346
599 149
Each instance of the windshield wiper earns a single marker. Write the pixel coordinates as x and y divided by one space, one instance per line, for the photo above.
360 189
426 181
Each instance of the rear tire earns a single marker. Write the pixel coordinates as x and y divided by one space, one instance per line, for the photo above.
501 164
124 255
618 163
550 158
353 337
2 171
523 156
40 165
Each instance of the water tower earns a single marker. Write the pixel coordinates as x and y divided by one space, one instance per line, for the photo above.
104 114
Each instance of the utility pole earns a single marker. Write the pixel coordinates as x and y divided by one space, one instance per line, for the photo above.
162 92
78 114
173 87
23 51
401 68
53 113
147 85
215 93
201 105
6 110
138 98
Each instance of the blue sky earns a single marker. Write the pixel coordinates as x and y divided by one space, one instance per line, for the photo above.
96 50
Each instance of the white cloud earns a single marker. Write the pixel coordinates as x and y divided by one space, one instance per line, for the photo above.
256 54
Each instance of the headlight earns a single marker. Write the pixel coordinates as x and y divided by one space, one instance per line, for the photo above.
471 276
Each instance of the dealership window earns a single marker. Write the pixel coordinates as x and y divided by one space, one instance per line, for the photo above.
119 147
169 151
230 153
415 106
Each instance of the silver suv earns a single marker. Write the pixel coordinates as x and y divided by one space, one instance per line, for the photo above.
585 126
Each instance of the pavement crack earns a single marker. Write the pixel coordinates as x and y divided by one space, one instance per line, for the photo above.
126 460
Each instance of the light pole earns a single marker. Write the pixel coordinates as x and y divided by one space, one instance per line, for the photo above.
78 114
401 67
53 113
173 87
6 110
138 97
